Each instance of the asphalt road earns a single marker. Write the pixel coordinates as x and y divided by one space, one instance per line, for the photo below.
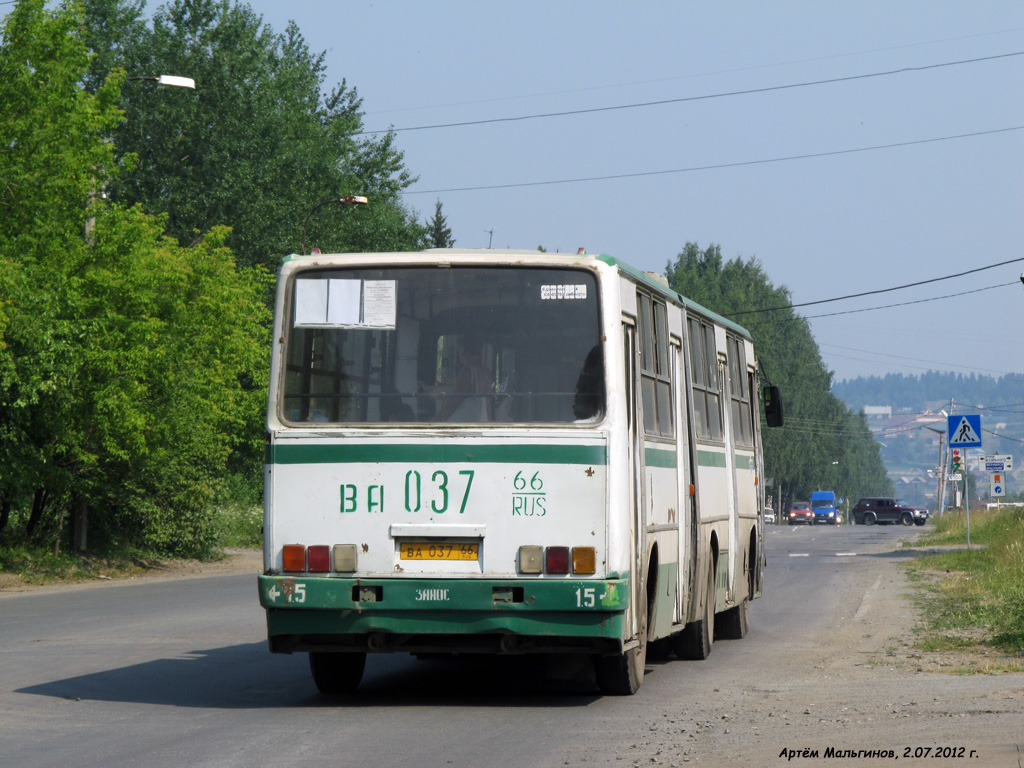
175 673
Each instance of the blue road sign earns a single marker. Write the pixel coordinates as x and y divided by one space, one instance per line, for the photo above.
965 431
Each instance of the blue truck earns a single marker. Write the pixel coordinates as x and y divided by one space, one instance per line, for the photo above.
824 505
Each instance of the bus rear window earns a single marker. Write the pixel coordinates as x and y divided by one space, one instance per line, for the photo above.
446 345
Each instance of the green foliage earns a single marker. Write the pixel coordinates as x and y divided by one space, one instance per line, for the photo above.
240 525
257 145
438 231
131 368
823 446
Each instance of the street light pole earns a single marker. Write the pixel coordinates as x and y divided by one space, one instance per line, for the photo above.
170 80
347 200
79 511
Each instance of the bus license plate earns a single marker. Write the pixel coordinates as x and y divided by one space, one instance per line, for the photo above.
425 550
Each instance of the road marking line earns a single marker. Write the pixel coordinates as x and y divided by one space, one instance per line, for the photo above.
868 597
799 554
846 554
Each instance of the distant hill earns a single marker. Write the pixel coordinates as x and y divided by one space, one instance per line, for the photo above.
908 457
933 390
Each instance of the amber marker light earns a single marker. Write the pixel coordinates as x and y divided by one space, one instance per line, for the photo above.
294 556
584 560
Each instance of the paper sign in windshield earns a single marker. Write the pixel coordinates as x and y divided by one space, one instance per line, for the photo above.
345 303
548 292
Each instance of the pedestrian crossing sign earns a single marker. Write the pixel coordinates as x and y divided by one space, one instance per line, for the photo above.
965 431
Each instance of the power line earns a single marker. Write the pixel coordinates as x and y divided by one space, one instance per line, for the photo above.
684 99
675 78
876 291
909 303
718 166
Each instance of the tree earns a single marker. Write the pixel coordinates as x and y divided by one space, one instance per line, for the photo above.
823 444
53 160
129 366
257 145
439 233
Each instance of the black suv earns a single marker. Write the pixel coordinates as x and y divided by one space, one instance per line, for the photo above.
882 510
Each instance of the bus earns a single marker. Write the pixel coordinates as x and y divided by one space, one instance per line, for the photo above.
507 452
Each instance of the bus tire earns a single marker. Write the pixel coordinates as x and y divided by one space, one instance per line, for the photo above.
732 624
622 674
694 642
336 673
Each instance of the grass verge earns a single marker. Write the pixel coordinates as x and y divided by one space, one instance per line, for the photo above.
21 562
973 600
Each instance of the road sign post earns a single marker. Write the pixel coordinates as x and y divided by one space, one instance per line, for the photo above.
964 431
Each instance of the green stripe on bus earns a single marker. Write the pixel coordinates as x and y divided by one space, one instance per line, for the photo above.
657 457
711 459
438 453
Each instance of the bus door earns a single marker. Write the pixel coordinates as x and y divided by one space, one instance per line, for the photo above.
686 517
755 427
729 433
637 524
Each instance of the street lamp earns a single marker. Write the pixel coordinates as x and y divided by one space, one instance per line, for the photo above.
347 200
174 80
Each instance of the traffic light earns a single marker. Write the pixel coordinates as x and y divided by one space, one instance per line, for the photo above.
958 459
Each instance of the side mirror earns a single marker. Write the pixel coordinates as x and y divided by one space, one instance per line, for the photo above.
772 406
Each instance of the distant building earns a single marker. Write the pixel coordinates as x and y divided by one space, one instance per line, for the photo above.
877 416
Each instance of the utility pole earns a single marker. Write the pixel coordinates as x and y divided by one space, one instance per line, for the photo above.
490 239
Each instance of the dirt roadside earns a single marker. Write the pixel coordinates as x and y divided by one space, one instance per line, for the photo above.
233 561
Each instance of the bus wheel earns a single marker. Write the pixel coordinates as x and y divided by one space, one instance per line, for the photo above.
732 624
336 673
694 642
621 675
659 650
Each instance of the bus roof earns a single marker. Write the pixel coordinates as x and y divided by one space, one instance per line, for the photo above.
654 282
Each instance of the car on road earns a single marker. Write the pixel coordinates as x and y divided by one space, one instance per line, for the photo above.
801 513
885 510
824 505
769 515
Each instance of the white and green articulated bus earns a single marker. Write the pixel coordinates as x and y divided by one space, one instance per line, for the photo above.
506 452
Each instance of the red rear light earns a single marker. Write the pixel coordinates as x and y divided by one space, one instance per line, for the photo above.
556 560
319 559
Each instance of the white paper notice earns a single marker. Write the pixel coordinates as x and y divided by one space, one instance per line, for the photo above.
380 301
343 302
310 302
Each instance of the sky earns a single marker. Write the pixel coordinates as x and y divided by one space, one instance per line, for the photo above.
847 147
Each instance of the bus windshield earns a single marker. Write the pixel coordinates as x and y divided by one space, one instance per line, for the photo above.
443 344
